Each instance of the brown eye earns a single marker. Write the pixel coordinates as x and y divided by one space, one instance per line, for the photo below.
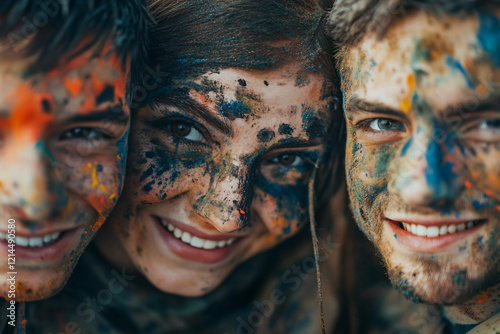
180 129
186 131
288 160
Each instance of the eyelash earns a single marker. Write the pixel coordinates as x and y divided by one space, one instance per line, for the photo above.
163 124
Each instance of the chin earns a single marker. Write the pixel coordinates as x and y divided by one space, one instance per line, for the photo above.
446 282
186 282
42 284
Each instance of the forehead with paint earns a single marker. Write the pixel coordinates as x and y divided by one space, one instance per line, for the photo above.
423 108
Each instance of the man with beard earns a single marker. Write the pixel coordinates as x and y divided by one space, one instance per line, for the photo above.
420 81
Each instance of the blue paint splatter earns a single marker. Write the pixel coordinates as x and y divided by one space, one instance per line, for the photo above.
489 35
455 64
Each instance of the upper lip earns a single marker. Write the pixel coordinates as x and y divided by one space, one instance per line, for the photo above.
195 232
26 234
432 220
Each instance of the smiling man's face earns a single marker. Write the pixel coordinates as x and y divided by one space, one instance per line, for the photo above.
423 152
63 138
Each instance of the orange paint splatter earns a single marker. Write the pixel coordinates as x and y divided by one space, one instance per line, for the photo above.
27 119
468 185
74 87
406 103
489 192
242 212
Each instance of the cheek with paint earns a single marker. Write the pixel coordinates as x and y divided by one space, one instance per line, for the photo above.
160 168
283 199
368 169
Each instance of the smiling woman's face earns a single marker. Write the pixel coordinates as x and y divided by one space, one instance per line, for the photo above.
219 173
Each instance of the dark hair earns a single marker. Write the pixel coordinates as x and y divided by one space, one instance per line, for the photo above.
55 31
350 20
195 36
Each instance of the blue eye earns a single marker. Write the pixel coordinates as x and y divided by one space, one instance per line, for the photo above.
185 131
384 124
291 160
490 124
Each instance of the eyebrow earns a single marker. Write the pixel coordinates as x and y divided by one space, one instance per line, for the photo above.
115 114
490 104
355 104
186 102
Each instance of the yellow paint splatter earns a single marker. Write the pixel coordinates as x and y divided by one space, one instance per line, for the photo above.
113 195
406 103
95 181
103 188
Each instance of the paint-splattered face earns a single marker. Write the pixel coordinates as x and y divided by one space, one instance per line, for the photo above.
62 159
423 152
220 173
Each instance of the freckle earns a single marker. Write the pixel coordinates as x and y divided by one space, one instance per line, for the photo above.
242 82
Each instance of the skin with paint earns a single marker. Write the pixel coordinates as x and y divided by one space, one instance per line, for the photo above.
423 147
63 143
218 175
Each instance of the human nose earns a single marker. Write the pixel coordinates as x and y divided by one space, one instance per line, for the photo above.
427 174
226 203
30 186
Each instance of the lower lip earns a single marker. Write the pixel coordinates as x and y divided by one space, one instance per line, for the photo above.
191 253
47 253
425 244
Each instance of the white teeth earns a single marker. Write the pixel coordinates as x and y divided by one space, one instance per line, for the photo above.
36 242
23 242
196 241
210 244
434 231
443 230
177 233
186 237
41 241
421 230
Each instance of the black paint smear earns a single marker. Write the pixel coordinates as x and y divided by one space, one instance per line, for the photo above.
316 128
265 135
285 129
266 83
242 82
46 107
107 95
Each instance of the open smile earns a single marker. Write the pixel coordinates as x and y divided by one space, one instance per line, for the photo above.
429 235
46 247
194 245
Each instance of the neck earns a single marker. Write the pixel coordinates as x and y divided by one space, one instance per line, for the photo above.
477 309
